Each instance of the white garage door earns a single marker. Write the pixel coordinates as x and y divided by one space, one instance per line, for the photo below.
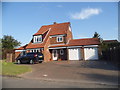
91 53
74 54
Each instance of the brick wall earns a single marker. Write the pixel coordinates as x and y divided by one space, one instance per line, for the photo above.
17 54
10 57
46 52
69 35
82 53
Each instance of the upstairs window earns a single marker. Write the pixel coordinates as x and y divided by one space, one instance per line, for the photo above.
38 39
60 39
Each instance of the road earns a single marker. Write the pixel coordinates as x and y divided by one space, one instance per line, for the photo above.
31 83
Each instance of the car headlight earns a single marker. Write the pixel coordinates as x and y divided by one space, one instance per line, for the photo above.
40 56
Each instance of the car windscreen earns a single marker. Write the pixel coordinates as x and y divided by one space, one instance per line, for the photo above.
39 53
30 54
34 54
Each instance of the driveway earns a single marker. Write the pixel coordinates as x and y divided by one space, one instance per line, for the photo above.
75 71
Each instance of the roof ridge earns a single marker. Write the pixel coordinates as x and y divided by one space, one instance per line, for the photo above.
56 24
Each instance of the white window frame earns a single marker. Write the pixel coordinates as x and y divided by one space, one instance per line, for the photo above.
61 52
37 39
58 39
40 38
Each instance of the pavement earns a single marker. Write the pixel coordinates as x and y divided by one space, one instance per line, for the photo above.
89 72
9 82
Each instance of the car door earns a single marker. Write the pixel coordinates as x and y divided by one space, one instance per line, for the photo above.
27 57
30 56
23 58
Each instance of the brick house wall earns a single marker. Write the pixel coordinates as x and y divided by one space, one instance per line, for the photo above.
47 54
69 35
82 53
17 54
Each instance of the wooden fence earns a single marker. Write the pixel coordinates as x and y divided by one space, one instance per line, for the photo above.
112 54
10 57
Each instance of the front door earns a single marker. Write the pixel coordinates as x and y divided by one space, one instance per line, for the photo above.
54 54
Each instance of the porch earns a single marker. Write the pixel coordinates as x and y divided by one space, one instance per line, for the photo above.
59 54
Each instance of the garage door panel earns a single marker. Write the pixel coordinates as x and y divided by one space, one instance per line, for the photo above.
74 54
91 53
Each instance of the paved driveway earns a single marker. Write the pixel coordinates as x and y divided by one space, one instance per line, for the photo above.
75 71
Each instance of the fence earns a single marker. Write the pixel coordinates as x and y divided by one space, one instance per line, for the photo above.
112 54
10 57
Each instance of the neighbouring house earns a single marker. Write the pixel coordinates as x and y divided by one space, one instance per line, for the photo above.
56 43
110 41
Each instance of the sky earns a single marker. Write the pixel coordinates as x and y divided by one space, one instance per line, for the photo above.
23 19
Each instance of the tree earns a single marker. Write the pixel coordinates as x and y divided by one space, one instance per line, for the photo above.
0 50
9 43
96 35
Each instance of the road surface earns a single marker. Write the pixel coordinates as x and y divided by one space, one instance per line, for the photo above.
9 82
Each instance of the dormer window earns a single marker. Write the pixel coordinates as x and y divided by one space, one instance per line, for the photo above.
37 39
59 39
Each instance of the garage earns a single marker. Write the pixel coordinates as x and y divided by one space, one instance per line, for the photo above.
74 54
91 53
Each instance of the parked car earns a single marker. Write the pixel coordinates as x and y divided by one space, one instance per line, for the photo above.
32 57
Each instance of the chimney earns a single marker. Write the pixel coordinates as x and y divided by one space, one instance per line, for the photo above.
54 23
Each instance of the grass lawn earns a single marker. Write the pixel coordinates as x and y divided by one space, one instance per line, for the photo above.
12 69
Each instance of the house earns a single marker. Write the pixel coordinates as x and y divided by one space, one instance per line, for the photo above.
56 43
110 41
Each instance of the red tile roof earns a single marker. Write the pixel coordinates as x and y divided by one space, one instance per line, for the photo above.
42 30
35 45
56 29
86 41
65 45
109 41
22 47
79 42
73 42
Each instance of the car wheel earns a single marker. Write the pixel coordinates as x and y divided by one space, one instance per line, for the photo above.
18 62
31 62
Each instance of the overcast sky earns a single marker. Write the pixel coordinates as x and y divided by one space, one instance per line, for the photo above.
23 19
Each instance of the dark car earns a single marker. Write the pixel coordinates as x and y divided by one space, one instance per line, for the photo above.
31 58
